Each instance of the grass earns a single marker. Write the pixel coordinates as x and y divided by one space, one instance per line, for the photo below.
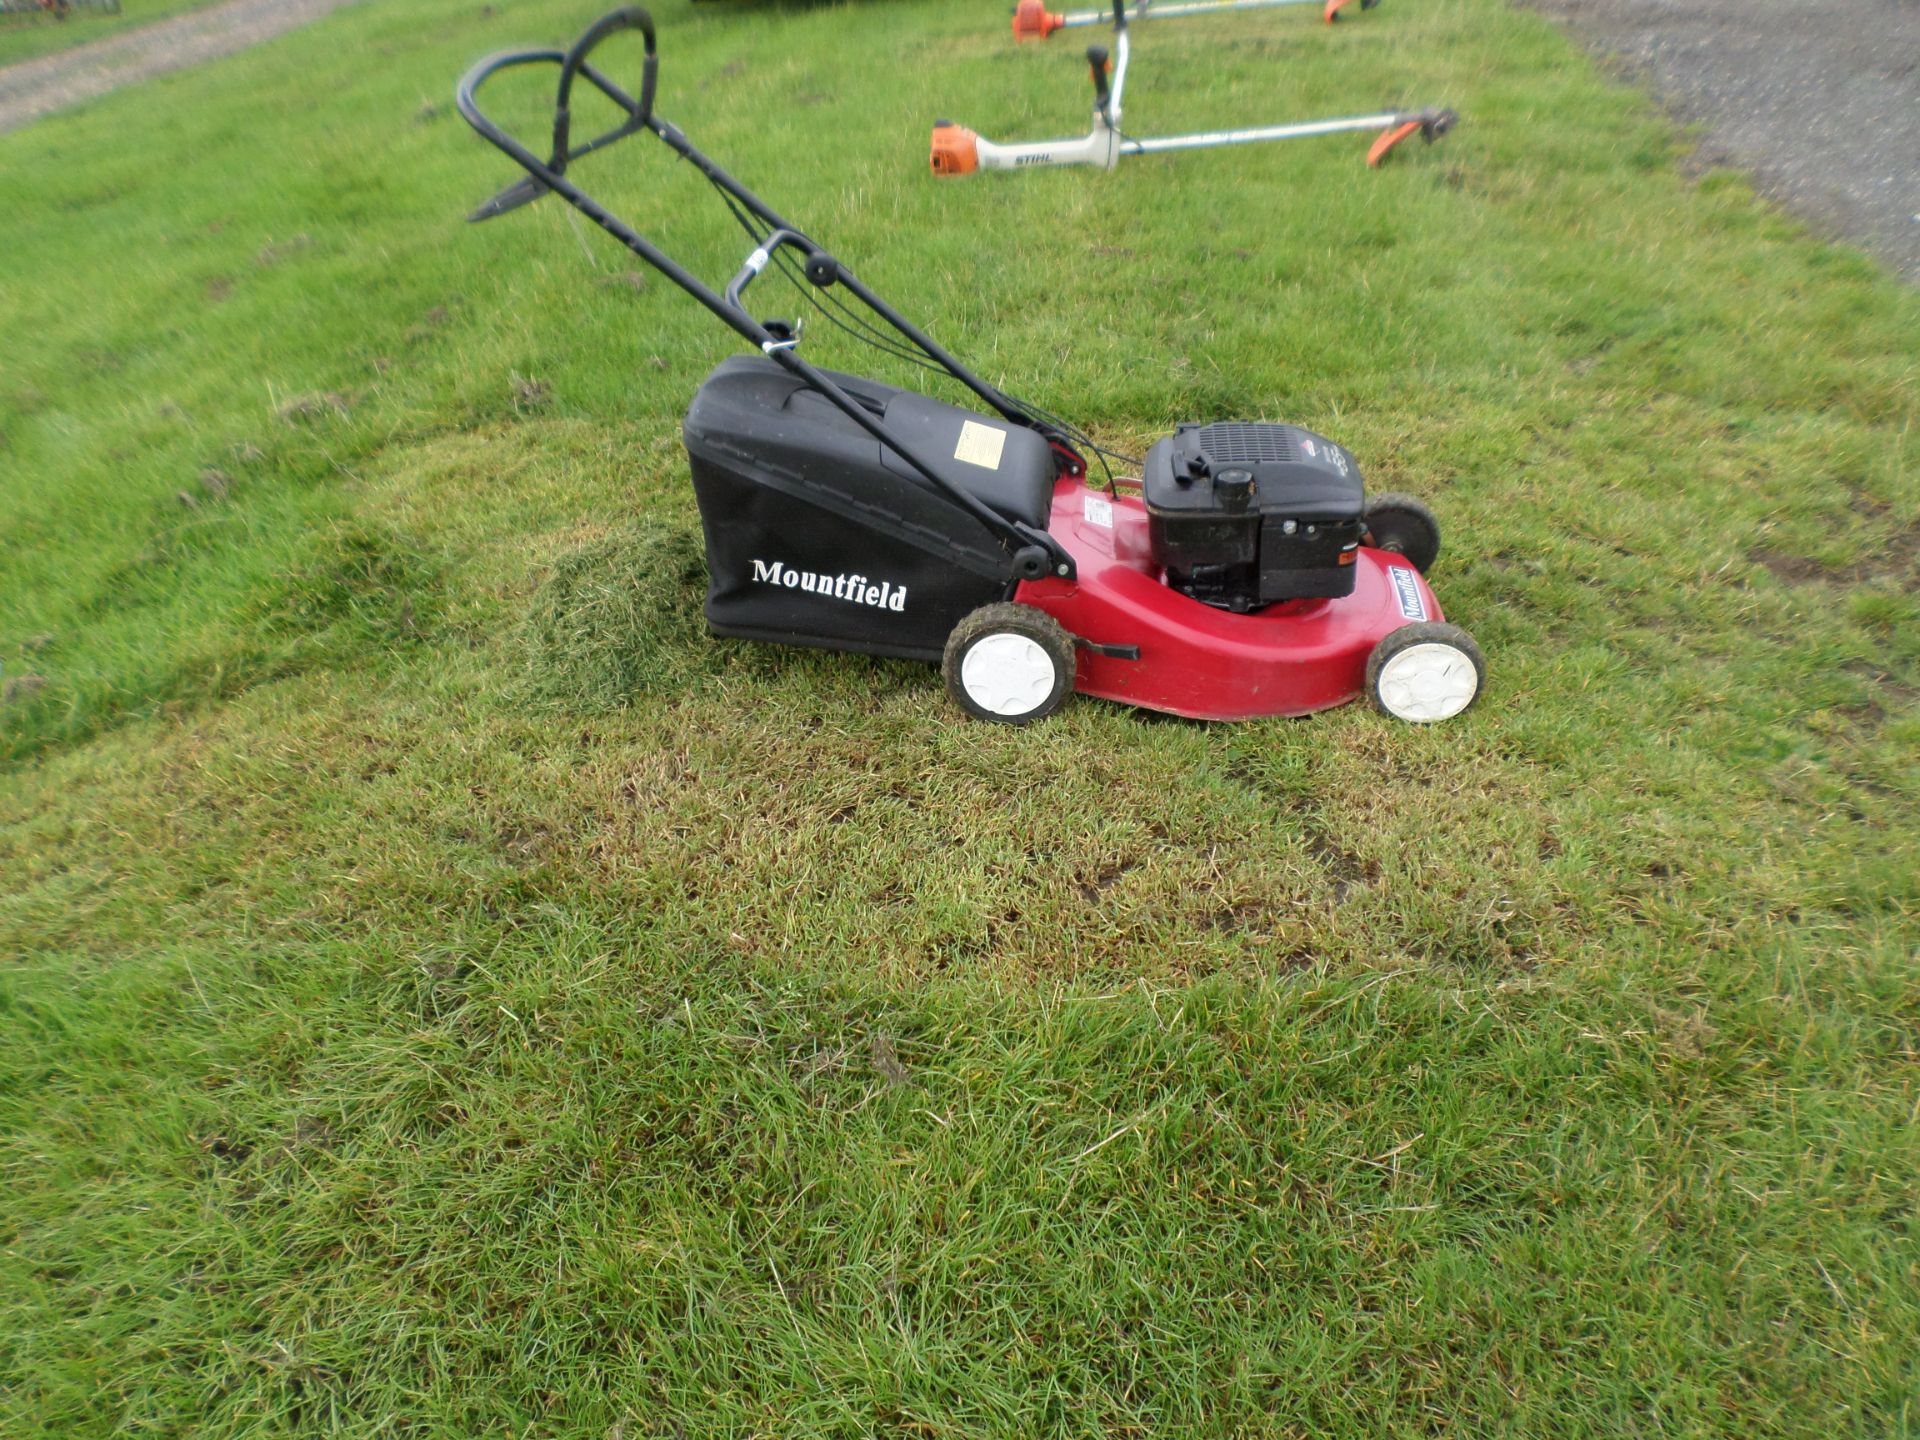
444 995
28 36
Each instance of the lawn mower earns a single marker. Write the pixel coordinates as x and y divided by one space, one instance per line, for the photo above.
1243 574
1033 21
960 151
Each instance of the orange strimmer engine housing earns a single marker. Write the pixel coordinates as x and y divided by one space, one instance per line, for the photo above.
956 149
1033 21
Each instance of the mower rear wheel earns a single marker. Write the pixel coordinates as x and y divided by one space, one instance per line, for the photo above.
1425 673
1403 525
1009 663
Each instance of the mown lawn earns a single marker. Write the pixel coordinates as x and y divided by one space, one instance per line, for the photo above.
443 994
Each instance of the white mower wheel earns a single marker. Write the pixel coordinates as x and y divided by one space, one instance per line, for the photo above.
1425 673
1009 663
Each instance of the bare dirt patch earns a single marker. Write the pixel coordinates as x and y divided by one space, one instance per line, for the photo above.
1896 559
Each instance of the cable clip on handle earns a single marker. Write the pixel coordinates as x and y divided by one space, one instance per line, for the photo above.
820 268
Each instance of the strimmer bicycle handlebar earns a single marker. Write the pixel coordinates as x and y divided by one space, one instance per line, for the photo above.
1097 63
1034 552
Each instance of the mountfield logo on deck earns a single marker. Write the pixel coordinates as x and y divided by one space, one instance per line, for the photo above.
854 589
1407 591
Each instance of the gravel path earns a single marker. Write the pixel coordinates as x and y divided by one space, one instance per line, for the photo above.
39 87
1820 99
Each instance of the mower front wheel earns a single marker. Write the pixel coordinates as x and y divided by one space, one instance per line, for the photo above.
1403 525
1009 663
1425 673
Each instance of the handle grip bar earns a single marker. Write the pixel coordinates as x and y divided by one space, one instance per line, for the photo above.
630 17
572 62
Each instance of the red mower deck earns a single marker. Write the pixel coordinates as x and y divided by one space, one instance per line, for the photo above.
1201 662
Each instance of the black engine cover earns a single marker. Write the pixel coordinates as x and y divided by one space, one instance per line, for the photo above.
1244 515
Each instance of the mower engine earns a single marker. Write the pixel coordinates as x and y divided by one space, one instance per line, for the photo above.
1242 515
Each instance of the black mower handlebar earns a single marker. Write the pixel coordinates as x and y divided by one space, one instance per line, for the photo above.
1032 551
630 17
572 62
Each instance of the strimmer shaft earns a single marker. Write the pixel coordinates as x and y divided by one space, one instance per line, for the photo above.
1033 21
1173 12
1210 138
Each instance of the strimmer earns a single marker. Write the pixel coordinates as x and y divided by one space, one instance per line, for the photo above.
957 150
1033 21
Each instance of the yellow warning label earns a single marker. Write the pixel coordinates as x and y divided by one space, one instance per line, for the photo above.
980 445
